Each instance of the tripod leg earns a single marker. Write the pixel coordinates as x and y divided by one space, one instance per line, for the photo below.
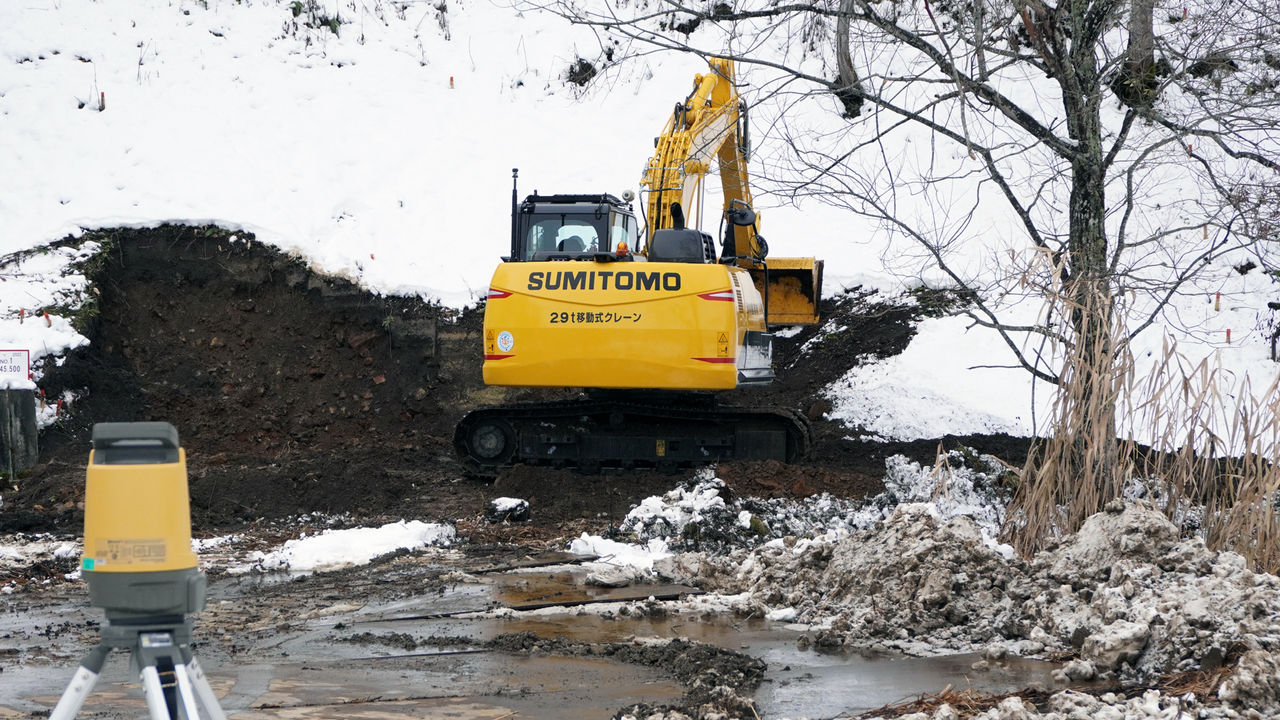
201 684
81 684
189 710
154 693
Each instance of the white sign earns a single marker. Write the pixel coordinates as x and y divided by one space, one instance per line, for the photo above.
506 341
15 366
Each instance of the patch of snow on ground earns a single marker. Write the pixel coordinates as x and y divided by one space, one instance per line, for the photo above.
200 545
20 551
334 549
27 549
941 384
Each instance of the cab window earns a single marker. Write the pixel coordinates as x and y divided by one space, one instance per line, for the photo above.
622 229
562 234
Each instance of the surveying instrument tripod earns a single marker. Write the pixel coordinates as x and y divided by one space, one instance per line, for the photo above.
141 570
172 679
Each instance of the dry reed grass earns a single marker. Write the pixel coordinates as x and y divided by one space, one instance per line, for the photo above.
1212 463
1077 470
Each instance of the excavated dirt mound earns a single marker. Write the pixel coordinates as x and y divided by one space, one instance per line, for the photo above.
295 393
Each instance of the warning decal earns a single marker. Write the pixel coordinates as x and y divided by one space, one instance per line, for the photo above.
131 551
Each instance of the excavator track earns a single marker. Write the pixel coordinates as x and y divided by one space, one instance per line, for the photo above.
592 434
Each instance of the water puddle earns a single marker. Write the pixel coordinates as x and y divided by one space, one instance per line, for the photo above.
809 684
425 655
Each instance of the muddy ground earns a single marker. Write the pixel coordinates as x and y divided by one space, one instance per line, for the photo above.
296 393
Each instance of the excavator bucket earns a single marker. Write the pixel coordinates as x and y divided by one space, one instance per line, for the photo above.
794 289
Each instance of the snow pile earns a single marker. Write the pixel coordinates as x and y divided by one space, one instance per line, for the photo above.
505 509
1257 671
919 582
699 518
708 518
1133 598
335 549
1071 705
962 483
1255 682
1138 600
618 564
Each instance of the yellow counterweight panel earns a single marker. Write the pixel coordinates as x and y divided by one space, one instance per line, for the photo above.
137 517
612 325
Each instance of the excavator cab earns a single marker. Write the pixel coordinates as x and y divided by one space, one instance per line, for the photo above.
572 227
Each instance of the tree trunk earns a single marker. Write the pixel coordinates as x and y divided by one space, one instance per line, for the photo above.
1088 287
847 87
1136 83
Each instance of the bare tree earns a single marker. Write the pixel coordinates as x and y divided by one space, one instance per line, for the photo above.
1098 149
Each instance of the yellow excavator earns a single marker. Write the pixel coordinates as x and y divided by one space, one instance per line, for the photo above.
649 322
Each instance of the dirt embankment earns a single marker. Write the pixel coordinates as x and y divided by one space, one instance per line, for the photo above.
295 392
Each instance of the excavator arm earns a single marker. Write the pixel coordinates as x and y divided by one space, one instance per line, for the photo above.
708 133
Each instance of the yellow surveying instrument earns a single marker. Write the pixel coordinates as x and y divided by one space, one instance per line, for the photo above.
141 570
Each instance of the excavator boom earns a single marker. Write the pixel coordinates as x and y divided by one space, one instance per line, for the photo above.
706 134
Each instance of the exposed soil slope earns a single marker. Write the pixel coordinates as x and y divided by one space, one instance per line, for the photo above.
295 393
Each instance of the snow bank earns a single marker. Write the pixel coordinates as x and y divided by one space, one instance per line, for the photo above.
1126 592
917 583
706 517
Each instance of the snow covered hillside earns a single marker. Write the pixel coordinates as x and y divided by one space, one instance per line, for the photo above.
377 140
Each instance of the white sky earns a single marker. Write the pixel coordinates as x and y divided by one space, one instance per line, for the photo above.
385 155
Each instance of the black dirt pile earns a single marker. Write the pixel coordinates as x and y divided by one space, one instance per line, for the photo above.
292 391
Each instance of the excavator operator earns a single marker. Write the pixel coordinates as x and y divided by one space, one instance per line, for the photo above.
572 244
